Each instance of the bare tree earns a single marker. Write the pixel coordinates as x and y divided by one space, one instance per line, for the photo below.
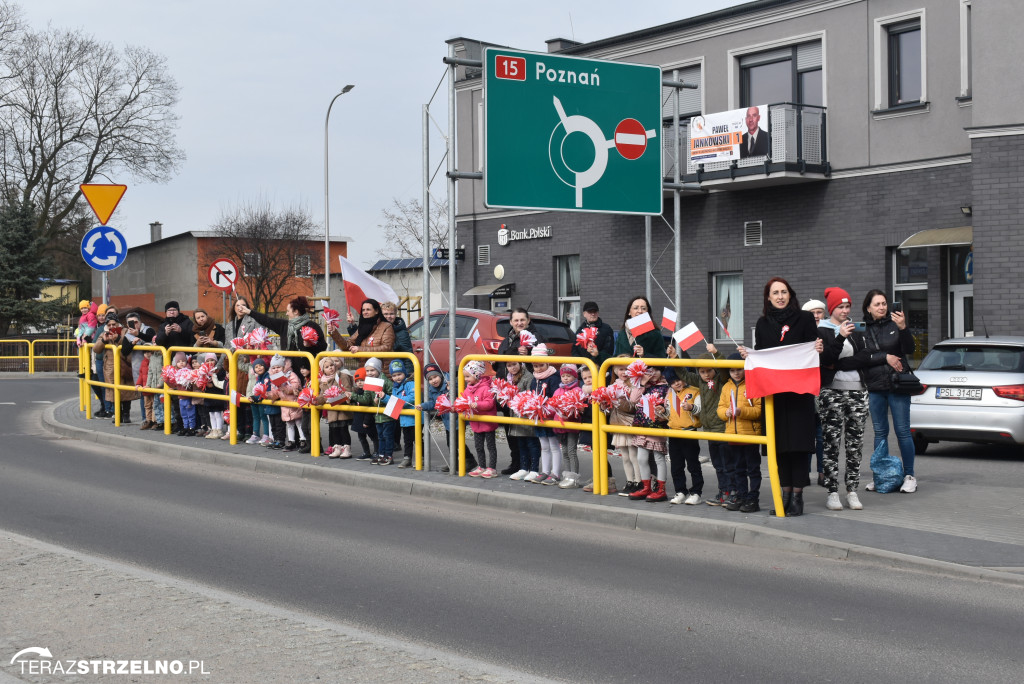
74 110
403 228
272 246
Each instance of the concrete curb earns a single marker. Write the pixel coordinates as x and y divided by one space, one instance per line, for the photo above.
739 533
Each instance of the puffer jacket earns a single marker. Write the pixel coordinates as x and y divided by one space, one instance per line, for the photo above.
883 337
480 392
749 420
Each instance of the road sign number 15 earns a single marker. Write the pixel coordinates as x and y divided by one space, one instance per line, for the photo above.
511 68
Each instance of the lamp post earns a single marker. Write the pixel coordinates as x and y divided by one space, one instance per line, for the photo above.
327 201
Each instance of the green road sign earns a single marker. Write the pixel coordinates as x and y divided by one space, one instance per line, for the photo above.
571 134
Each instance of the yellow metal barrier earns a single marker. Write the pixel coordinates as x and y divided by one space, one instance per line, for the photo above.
32 355
600 458
27 356
314 383
417 395
767 439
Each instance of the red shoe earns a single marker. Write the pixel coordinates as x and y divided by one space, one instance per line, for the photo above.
643 492
657 492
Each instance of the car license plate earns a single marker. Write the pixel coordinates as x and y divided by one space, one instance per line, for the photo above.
958 393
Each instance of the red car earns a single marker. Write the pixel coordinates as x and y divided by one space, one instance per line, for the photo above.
481 332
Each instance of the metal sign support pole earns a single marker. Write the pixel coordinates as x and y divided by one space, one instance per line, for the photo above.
425 307
676 205
104 286
647 259
453 368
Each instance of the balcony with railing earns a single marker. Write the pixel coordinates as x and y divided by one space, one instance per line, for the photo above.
798 152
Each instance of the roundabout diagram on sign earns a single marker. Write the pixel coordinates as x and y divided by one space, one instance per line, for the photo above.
569 162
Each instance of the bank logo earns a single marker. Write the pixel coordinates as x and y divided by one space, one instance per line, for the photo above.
503 235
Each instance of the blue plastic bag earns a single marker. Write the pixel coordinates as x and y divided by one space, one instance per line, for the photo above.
887 469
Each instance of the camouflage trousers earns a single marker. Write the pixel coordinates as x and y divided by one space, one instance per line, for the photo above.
843 414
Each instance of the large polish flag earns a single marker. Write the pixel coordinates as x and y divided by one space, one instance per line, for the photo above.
360 286
638 325
792 368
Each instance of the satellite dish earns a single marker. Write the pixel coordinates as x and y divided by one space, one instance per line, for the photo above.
499 272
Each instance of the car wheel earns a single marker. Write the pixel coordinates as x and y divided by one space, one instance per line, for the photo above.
920 444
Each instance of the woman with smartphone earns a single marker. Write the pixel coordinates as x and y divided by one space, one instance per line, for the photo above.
844 397
888 343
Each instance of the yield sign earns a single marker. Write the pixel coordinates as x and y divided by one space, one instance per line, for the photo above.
223 274
103 198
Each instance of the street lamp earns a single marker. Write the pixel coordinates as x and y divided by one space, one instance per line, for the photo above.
327 201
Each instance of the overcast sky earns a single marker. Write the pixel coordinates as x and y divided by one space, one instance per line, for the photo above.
256 78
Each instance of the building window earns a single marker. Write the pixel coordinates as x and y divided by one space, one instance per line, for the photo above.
251 264
966 49
900 69
302 266
728 306
568 270
689 99
904 64
789 74
910 292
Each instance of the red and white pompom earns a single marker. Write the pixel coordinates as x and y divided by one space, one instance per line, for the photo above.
260 390
503 390
238 343
461 406
531 406
168 373
305 398
585 337
607 397
330 316
443 404
571 403
257 339
184 377
202 377
527 339
635 371
308 334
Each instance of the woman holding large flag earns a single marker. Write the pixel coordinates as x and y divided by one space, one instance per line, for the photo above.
783 324
373 334
639 336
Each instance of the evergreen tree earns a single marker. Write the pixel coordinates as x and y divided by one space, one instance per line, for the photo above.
24 270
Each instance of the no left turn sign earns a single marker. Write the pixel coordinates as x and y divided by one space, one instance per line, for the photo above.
223 274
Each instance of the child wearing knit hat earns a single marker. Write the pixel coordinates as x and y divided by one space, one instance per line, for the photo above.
384 423
404 388
568 439
482 402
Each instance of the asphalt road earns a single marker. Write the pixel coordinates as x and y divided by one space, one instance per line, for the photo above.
576 602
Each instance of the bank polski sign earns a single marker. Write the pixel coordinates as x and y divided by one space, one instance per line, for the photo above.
571 134
507 235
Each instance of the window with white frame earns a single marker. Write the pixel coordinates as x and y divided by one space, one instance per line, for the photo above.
568 269
966 49
251 264
302 266
900 60
727 304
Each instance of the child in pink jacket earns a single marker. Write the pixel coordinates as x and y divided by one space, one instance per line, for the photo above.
478 391
292 417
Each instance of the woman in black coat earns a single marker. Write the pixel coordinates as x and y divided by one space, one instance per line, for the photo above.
290 328
783 323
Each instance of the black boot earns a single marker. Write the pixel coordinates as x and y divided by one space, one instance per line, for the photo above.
796 505
787 498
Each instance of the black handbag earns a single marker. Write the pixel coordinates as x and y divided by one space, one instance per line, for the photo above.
905 383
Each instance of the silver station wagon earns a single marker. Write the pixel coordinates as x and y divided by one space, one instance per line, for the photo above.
974 392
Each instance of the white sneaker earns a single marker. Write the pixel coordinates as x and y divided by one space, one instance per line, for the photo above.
679 498
693 499
833 503
870 486
704 459
909 485
532 476
519 475
213 434
854 502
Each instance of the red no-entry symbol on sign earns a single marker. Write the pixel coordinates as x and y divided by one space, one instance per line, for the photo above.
630 139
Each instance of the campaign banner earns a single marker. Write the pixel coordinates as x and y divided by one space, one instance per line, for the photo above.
735 134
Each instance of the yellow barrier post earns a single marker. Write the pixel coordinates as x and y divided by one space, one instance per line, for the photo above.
502 420
170 393
117 384
31 357
767 439
82 387
88 381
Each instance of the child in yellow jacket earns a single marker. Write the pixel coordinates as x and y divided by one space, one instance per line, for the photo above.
684 454
742 416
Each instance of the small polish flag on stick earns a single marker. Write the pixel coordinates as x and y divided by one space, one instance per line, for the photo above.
394 407
792 368
726 330
687 336
638 325
235 398
668 319
373 384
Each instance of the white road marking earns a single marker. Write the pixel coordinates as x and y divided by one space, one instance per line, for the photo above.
41 402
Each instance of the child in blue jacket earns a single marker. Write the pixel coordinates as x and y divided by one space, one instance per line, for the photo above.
405 389
437 384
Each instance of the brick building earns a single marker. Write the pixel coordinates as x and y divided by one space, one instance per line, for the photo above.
897 162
